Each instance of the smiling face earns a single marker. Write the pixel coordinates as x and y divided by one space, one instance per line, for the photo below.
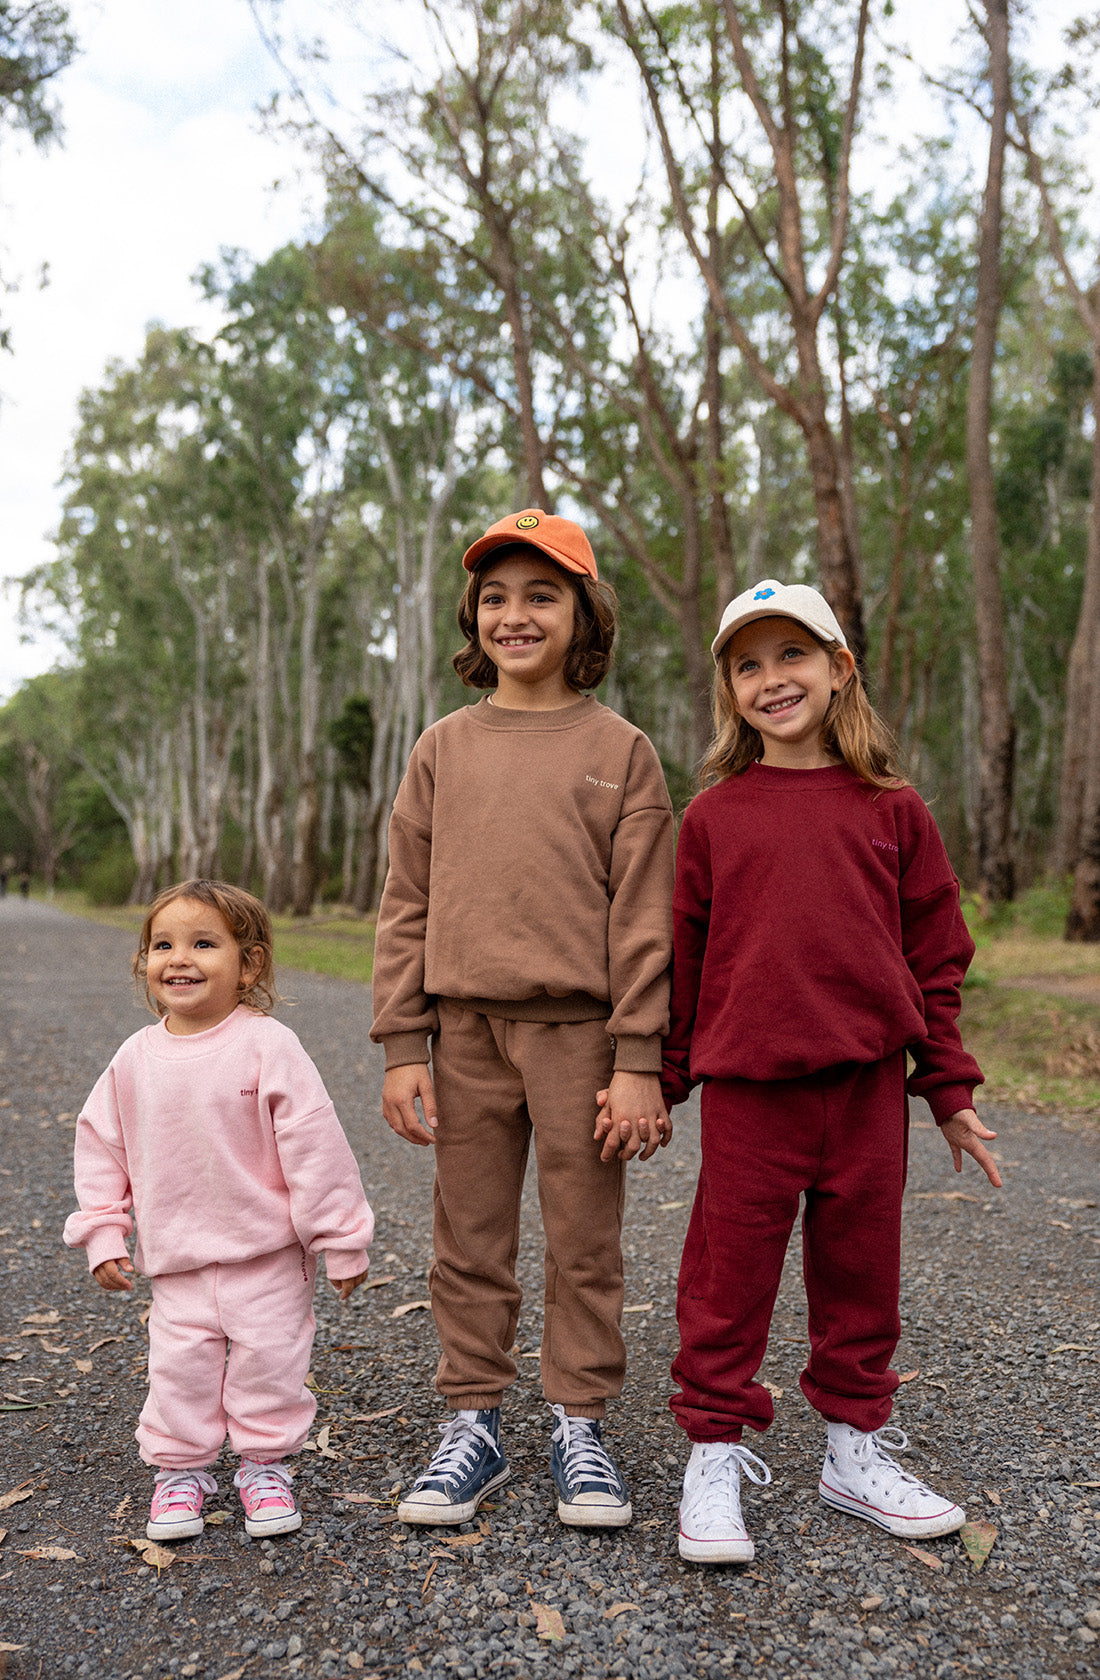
526 620
782 680
194 967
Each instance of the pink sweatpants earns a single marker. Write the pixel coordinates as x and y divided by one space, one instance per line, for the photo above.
229 1349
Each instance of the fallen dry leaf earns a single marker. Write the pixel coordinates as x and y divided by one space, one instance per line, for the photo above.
51 1317
84 1366
908 1376
432 1567
15 1357
929 1558
95 1347
16 1496
3 1535
667 1207
373 1417
942 1196
234 1673
993 1497
460 1540
158 1557
53 1554
380 1283
121 1508
56 1347
548 1623
646 1306
411 1306
873 1602
215 1519
978 1539
614 1610
774 1390
1073 1347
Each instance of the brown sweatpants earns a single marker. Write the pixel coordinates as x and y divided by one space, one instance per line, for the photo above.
497 1084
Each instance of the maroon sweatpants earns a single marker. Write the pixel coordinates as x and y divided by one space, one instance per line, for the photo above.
840 1139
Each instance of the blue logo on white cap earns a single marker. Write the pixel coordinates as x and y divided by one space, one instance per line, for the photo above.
763 594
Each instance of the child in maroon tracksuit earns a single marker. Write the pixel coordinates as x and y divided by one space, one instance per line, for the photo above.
818 938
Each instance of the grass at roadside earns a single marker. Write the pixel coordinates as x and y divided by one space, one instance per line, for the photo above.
1031 1007
335 942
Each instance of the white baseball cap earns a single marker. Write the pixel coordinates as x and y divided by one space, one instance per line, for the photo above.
779 600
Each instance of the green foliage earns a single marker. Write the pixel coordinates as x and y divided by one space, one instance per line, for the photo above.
109 878
36 42
352 734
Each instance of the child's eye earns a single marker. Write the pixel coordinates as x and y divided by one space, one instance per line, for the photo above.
159 945
204 944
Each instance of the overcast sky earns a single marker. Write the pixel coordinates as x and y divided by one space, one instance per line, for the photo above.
163 163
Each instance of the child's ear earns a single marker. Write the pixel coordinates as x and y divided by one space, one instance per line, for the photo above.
251 963
843 668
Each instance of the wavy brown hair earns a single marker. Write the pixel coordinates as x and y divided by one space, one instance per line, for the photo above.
247 920
589 658
851 730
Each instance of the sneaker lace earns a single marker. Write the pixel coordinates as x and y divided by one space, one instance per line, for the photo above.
178 1487
722 1474
584 1456
872 1454
457 1450
264 1481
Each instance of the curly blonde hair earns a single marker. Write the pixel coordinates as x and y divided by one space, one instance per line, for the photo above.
247 920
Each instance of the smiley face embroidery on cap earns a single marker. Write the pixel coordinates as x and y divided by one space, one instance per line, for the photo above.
527 522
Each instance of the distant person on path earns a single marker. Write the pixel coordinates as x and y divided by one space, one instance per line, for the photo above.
24 884
215 1128
525 931
818 938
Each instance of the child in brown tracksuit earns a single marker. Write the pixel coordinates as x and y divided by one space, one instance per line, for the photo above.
525 931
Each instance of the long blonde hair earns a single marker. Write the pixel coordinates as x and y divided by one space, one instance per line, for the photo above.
851 730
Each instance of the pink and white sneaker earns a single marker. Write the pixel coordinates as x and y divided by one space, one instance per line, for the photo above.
267 1498
176 1511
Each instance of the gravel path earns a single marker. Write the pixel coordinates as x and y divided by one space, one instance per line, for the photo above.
1002 1326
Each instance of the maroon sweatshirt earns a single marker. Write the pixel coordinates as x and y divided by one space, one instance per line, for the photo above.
816 921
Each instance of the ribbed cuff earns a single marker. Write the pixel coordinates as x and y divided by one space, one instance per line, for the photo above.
635 1054
405 1049
343 1263
947 1100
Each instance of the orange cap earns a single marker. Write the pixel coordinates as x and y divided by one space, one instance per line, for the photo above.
559 538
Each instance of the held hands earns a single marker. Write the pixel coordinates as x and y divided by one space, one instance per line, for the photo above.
108 1274
347 1286
633 1119
400 1090
964 1131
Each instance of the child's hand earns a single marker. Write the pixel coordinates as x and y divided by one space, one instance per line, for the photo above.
108 1274
633 1119
963 1131
347 1286
400 1090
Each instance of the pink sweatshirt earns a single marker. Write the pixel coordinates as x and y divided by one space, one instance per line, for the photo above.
227 1145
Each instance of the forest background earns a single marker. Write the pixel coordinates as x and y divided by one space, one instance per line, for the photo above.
803 341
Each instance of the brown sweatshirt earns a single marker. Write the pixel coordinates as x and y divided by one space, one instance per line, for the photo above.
530 878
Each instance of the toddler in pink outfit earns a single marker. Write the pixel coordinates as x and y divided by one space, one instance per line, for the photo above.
215 1128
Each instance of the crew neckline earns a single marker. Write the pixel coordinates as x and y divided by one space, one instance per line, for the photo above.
509 717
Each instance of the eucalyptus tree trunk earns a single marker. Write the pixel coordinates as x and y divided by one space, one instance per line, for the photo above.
1077 846
997 733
